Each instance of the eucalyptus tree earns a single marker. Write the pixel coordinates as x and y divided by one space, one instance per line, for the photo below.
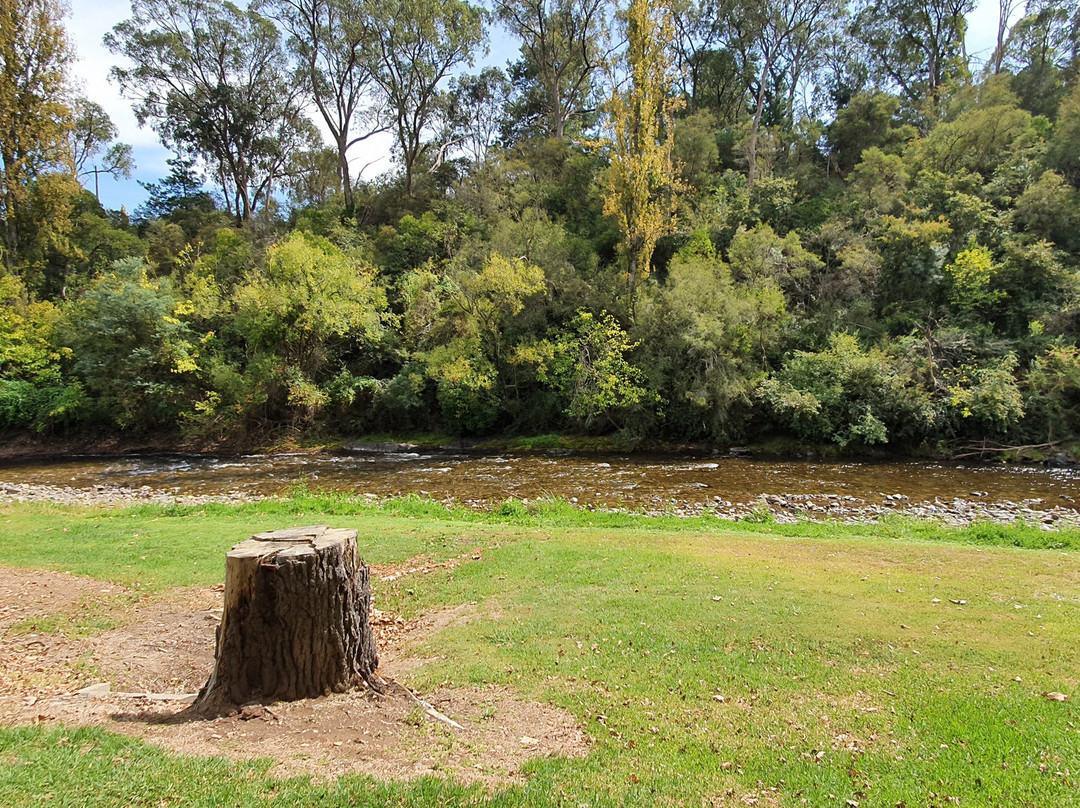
563 45
697 32
473 113
708 72
1043 53
93 136
213 80
420 43
777 42
34 118
1006 9
915 48
334 45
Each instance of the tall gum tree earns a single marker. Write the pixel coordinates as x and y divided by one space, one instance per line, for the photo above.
420 43
34 117
333 42
915 47
775 41
642 181
214 81
563 42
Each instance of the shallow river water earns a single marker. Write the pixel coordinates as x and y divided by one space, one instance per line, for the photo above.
655 483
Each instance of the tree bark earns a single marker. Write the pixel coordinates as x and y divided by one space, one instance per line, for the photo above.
755 125
295 623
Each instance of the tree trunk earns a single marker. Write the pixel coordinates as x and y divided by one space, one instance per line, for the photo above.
295 623
346 183
755 125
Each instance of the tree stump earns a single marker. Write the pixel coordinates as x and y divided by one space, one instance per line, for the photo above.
295 623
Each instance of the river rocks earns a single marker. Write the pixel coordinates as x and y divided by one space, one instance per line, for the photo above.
781 508
380 447
794 508
114 495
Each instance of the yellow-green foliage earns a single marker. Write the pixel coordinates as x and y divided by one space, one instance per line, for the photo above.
309 292
987 393
642 181
972 274
466 364
27 342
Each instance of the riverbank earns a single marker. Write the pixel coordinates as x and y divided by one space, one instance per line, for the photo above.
779 509
24 446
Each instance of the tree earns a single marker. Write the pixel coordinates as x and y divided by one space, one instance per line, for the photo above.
642 180
562 45
92 132
313 176
333 41
868 120
491 297
421 41
1054 392
915 47
1063 152
473 114
33 390
177 196
702 338
1005 12
213 79
1043 53
777 37
467 340
34 118
130 349
846 395
309 304
591 372
698 33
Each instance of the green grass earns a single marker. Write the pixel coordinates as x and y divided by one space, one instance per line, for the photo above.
86 618
709 662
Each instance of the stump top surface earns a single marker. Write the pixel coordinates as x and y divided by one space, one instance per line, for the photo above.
291 542
306 534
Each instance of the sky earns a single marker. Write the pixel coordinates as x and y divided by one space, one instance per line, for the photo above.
90 20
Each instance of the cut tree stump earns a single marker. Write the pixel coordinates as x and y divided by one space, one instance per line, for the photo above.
295 623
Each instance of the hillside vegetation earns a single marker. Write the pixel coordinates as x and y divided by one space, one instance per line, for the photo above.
813 220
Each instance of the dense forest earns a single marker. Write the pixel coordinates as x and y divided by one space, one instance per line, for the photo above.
700 220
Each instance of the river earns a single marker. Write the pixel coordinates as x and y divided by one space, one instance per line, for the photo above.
680 484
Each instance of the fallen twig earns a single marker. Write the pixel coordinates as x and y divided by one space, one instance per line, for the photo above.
427 707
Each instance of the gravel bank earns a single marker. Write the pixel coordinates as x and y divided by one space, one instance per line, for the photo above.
114 495
781 508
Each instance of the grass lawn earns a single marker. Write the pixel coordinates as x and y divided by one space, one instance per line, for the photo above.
710 663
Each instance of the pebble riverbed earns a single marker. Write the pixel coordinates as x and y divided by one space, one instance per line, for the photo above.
780 508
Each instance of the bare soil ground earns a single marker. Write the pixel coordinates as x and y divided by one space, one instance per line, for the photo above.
161 647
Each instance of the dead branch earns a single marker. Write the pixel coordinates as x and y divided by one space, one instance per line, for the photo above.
993 447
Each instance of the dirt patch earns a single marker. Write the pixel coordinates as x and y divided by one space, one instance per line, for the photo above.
418 565
29 593
164 649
